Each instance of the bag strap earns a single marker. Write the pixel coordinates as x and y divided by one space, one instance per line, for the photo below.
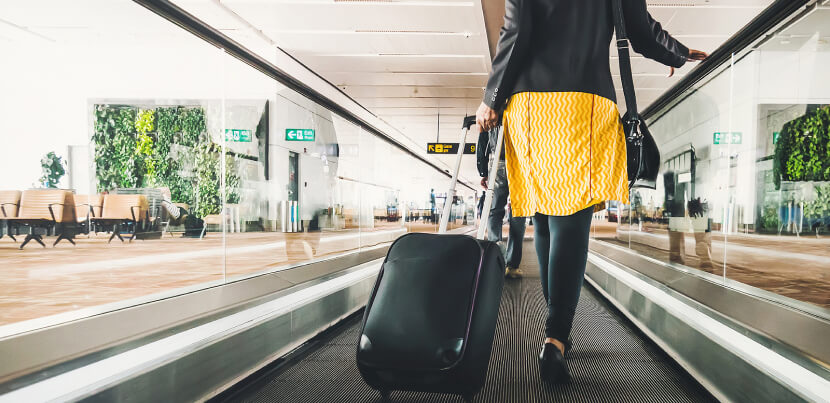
625 61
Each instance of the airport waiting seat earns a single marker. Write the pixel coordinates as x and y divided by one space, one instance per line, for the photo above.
213 219
122 211
43 209
229 214
9 203
87 207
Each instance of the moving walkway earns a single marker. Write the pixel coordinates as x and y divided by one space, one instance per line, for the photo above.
610 360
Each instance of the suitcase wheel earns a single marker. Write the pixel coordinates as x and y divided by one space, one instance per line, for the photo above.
385 395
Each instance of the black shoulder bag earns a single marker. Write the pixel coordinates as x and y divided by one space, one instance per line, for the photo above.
642 152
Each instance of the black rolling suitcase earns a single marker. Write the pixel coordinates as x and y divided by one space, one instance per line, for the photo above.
430 320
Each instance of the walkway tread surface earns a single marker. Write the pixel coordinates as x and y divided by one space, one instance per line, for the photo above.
609 362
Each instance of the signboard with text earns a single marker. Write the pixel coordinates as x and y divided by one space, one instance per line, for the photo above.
238 135
727 138
449 148
299 134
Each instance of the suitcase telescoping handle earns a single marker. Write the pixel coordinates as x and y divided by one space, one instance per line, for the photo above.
491 183
491 180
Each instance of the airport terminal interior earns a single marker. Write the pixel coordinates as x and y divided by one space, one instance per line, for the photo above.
197 198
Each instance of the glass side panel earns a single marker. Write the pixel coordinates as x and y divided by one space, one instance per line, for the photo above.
745 183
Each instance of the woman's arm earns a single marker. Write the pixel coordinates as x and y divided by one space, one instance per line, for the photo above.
509 52
648 37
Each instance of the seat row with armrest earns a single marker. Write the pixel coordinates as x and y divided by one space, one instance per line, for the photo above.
42 209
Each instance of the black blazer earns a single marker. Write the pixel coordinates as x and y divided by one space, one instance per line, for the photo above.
563 45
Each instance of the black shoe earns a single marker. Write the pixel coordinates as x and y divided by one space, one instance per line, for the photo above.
552 366
568 345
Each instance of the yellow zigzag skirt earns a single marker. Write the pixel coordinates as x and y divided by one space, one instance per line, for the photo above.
564 151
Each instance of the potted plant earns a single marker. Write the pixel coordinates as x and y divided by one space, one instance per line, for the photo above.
53 168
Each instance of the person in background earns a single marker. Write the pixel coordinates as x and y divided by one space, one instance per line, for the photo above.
675 209
516 233
701 225
481 202
565 144
432 205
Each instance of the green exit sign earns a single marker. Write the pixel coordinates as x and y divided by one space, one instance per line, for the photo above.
238 135
299 134
727 138
775 136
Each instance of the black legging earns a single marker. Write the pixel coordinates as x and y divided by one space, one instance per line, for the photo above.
562 249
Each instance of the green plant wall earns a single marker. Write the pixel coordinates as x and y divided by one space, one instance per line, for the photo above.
803 149
162 147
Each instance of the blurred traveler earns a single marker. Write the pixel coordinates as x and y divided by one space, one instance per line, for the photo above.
675 208
701 225
432 205
481 199
565 146
516 231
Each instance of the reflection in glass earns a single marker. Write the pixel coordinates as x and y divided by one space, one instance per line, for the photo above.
746 171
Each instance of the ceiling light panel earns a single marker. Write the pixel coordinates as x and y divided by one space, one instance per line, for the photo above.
351 17
413 92
402 102
414 79
700 20
392 64
355 42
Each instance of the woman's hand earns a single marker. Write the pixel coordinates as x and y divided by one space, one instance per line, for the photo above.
486 117
693 55
697 55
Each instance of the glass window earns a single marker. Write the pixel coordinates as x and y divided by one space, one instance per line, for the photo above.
745 182
173 166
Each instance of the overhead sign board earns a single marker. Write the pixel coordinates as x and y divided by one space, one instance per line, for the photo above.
238 135
727 138
449 148
299 134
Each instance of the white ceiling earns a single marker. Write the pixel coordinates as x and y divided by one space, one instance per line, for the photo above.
420 65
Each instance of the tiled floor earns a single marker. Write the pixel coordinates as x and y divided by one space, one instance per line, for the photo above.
795 267
37 282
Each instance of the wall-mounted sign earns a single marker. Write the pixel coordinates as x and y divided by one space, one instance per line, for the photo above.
775 136
238 135
449 148
727 138
299 134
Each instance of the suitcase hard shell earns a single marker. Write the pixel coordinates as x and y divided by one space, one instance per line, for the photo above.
430 321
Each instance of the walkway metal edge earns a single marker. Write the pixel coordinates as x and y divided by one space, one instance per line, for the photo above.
731 366
200 362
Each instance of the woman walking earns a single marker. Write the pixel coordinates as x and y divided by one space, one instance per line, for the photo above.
565 147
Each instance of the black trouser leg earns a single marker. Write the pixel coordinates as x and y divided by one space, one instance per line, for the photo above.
566 255
541 239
